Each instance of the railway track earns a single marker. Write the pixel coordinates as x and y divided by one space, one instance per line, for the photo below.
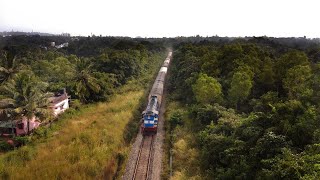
142 166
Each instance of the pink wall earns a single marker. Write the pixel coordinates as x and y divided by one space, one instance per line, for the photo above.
33 124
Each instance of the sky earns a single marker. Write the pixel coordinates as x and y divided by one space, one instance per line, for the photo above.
164 18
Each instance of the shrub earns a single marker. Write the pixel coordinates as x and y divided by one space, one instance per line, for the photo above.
41 132
21 140
5 146
175 119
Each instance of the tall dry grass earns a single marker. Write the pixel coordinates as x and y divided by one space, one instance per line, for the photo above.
88 146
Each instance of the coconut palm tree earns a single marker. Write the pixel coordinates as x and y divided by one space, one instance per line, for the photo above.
85 83
8 66
26 95
7 111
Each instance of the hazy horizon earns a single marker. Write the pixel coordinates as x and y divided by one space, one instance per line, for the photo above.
163 18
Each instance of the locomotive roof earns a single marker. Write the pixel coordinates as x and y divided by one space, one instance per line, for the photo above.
152 105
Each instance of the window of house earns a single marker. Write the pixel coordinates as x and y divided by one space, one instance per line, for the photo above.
20 125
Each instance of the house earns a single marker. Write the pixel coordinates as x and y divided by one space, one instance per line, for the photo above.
59 102
18 127
62 45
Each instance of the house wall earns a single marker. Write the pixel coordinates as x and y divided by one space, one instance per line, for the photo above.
33 124
60 107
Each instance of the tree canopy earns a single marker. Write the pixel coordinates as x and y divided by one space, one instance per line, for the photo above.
251 109
207 89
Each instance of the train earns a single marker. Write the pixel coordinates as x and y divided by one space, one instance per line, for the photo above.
150 116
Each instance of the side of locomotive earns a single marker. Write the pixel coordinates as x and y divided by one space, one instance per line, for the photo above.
150 115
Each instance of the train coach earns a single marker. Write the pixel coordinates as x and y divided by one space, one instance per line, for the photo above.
150 116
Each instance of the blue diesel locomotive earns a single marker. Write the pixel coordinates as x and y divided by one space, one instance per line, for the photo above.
150 116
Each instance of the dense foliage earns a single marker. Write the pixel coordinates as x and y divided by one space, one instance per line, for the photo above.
90 68
254 108
89 141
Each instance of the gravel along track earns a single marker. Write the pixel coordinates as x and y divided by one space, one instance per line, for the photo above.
130 167
142 167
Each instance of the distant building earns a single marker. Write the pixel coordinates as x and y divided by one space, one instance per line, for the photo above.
52 44
62 45
65 34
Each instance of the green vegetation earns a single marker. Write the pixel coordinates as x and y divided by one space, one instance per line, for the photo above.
25 95
243 110
206 89
90 140
238 108
29 70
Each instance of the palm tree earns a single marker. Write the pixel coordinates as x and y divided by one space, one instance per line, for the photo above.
86 83
26 95
8 66
7 110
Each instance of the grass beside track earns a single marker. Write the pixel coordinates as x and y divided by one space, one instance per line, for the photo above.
180 140
90 144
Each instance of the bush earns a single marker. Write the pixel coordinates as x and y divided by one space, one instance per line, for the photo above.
5 146
41 132
175 120
75 104
21 140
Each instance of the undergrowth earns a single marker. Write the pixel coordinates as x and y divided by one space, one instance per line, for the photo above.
180 145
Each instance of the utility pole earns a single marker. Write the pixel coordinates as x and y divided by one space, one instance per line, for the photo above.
170 163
